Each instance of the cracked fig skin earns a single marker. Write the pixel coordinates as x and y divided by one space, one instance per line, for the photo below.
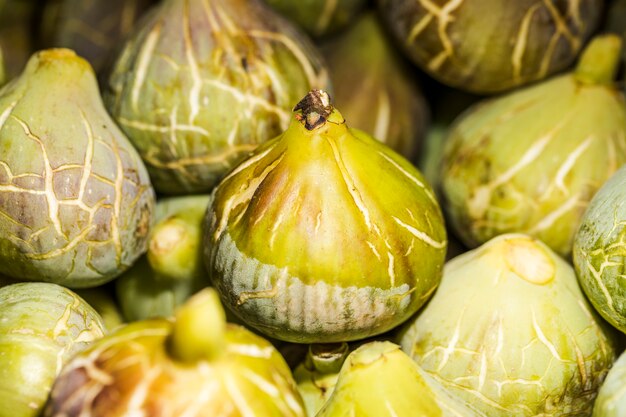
510 332
600 251
324 234
530 161
195 365
75 198
488 46
201 83
41 327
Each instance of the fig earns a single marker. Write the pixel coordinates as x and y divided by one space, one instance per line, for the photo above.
75 198
600 251
611 401
379 380
196 365
200 84
530 161
324 234
374 88
320 17
172 269
488 46
510 332
42 326
101 300
91 28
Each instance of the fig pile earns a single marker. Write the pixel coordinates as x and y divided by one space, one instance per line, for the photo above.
321 208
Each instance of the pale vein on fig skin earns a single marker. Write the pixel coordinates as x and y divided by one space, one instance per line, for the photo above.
219 20
54 203
443 15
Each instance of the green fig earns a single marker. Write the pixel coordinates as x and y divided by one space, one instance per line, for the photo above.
611 401
374 88
193 366
317 375
320 17
172 269
42 326
75 198
600 250
91 28
379 380
510 332
531 161
105 305
201 83
487 46
324 234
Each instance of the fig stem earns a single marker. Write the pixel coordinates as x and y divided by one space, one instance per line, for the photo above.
199 330
600 60
327 358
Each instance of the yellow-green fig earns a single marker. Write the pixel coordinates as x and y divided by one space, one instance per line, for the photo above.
195 365
531 161
324 234
42 326
487 46
75 197
374 88
509 332
201 83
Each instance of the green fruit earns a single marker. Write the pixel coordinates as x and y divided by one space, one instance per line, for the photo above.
600 251
91 28
379 380
374 88
41 327
486 46
194 366
201 83
324 234
317 375
611 401
17 20
531 161
104 304
319 17
510 332
172 270
75 198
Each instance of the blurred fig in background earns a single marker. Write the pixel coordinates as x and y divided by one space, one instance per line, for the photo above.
488 46
76 199
611 401
319 17
201 83
172 269
42 326
600 251
374 88
531 161
379 380
317 375
510 332
324 234
18 25
196 365
92 28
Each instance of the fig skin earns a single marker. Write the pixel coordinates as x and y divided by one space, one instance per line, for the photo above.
510 332
201 83
196 365
611 401
531 160
600 251
324 234
490 46
374 87
76 199
42 326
